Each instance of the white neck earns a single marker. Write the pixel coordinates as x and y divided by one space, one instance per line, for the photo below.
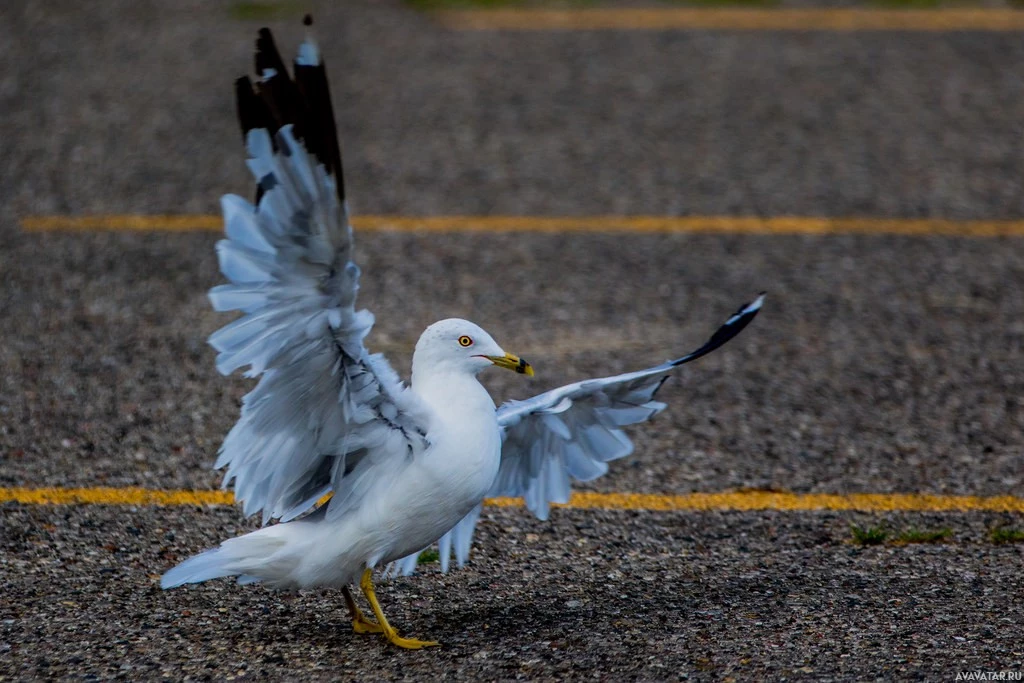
451 393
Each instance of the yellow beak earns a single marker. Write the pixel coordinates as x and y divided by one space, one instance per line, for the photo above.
510 362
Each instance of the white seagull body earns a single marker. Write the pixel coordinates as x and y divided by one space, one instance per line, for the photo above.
405 467
403 503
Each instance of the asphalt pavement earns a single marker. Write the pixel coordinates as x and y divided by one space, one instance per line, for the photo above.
879 364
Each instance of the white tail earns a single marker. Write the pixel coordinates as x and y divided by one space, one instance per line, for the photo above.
259 556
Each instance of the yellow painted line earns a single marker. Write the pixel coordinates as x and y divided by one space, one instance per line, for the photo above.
113 496
732 19
780 225
771 500
122 222
725 501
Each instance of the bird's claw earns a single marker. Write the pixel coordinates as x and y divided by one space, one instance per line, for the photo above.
408 643
362 626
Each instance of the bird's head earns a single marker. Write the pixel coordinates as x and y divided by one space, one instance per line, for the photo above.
456 345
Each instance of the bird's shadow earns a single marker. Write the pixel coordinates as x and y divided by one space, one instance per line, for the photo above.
477 618
551 616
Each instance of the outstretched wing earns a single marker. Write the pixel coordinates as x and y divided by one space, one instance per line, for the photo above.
325 412
575 430
572 433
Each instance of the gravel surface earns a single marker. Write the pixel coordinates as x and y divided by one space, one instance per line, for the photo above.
879 364
613 596
129 108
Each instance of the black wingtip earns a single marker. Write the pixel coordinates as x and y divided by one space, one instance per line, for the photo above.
277 100
252 111
740 319
732 327
267 56
754 306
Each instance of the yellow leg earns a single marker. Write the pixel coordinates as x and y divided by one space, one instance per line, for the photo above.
366 583
360 624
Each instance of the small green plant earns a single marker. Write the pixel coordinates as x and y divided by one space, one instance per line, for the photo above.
907 4
1001 534
924 536
264 10
872 535
428 556
725 3
494 4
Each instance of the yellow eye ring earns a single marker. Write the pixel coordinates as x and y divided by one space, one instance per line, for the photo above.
465 341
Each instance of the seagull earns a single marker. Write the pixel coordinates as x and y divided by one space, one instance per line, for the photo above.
400 467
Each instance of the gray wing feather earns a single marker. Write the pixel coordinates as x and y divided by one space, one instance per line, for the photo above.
325 414
572 433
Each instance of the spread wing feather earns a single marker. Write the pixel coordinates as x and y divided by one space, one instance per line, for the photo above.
325 414
572 433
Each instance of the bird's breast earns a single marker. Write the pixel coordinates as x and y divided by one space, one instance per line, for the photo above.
465 450
467 455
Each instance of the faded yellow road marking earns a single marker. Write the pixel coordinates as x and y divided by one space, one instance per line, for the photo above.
125 222
733 19
113 496
726 501
781 225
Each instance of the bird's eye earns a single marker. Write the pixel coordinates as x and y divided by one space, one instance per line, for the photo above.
465 341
